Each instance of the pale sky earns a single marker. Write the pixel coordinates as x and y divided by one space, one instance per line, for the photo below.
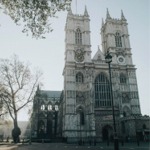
48 54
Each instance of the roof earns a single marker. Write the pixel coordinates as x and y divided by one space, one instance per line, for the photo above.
99 55
51 93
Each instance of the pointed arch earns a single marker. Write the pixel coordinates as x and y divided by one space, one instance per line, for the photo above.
78 36
123 78
49 107
107 132
126 111
42 107
56 106
118 39
102 91
80 111
79 77
144 126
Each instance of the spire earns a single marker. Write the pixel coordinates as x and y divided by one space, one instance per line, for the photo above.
38 89
108 15
70 11
122 16
85 12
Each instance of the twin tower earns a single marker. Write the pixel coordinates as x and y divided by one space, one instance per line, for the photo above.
86 104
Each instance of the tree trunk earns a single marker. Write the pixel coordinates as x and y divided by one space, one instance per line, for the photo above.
16 131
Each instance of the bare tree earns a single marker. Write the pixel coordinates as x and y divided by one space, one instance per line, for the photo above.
34 14
18 87
3 110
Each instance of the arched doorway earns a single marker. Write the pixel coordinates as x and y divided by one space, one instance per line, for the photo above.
107 133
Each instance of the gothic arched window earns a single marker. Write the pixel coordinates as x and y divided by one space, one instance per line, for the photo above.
102 91
42 107
126 111
123 78
80 111
124 114
82 118
79 77
78 37
118 39
49 107
56 107
144 126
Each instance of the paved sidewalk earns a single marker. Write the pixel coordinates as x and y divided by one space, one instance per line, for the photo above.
9 147
63 146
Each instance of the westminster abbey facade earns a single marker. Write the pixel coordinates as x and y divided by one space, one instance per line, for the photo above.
85 105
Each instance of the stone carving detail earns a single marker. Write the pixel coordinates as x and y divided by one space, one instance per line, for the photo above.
131 74
89 73
80 97
125 97
120 53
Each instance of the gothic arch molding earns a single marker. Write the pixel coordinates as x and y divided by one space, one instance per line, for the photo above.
101 72
79 77
126 111
123 78
81 115
102 91
107 132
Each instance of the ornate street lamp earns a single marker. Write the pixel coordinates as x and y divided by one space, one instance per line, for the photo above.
108 59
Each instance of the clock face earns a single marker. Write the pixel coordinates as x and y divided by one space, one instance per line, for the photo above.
121 60
79 55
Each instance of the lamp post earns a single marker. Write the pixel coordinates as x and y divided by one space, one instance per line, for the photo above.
55 119
108 59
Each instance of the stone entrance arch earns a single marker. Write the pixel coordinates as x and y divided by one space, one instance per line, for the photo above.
107 133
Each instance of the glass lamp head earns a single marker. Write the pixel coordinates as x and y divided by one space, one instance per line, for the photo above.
108 58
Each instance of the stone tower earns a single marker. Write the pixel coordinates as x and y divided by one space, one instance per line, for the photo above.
115 40
87 105
78 105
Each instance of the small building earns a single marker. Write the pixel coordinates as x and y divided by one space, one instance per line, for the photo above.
45 114
135 127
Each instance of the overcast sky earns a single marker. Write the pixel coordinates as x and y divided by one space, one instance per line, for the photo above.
48 54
